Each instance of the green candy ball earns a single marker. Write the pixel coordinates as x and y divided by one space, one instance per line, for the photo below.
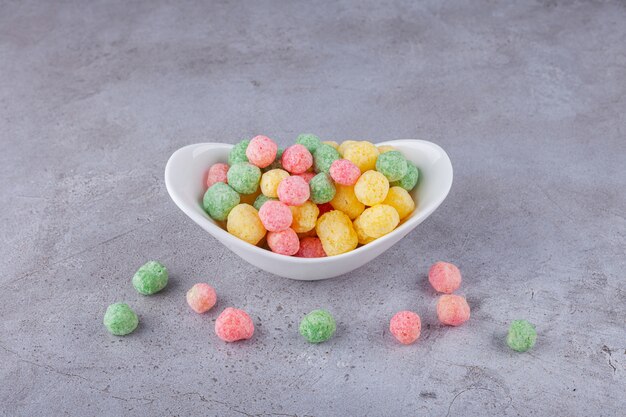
276 164
409 181
219 200
262 199
392 165
318 326
324 156
522 335
120 319
309 141
322 188
238 153
244 177
150 278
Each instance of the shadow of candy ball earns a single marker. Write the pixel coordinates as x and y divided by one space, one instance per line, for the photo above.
318 326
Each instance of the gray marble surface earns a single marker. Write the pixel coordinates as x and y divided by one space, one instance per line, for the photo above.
528 98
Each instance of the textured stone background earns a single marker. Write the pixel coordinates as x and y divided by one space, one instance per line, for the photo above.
528 98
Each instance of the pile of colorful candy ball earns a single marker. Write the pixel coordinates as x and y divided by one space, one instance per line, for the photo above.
312 199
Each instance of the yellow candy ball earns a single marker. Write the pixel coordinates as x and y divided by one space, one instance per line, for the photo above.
270 181
304 216
346 201
385 148
401 200
371 188
378 220
336 233
362 154
331 143
358 228
243 221
344 145
249 198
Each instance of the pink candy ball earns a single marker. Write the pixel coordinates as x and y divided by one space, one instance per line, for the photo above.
293 191
344 172
285 242
261 151
444 277
201 298
311 247
217 173
453 310
306 176
297 159
234 324
406 327
275 216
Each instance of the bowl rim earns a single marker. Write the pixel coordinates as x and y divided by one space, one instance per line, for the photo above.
216 230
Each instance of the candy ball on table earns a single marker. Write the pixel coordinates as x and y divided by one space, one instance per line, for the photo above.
379 220
285 242
293 191
219 200
275 216
244 222
120 319
322 188
406 327
244 177
444 277
392 165
238 153
150 278
310 247
371 188
233 325
323 157
344 172
261 151
296 159
318 326
217 173
336 232
309 141
409 181
270 181
522 335
362 154
452 310
201 297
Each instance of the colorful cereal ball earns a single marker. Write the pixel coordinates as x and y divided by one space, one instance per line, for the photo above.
322 188
323 157
201 298
261 151
379 220
304 217
346 201
244 177
270 181
285 242
385 148
219 200
444 277
453 310
344 145
409 181
522 336
150 278
362 154
262 199
336 232
318 326
217 173
363 238
120 319
234 324
371 188
344 172
238 153
401 200
275 216
244 222
309 141
297 159
331 143
293 191
311 247
406 327
392 165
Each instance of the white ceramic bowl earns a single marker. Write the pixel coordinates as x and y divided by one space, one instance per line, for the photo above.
186 170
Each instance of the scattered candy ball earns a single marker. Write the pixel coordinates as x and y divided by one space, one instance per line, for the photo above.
406 327
233 325
120 319
150 278
244 222
201 297
444 277
371 188
336 232
304 217
261 151
296 159
293 191
318 326
401 200
285 242
270 181
275 216
391 164
238 153
379 220
362 154
344 172
522 335
217 173
409 181
244 177
309 141
219 200
323 157
311 247
452 310
322 188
